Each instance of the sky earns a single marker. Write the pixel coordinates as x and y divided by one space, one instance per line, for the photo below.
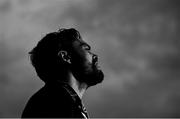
137 42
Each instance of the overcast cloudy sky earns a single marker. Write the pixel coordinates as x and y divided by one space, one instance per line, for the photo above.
137 42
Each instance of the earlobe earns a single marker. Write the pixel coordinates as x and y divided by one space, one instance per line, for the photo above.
64 56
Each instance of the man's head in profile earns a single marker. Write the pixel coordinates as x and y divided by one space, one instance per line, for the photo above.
68 67
64 53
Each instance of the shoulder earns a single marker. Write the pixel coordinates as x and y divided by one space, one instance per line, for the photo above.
52 95
50 101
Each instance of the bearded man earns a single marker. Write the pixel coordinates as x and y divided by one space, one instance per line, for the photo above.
68 67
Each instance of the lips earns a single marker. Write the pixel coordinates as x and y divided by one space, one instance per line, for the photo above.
95 64
95 61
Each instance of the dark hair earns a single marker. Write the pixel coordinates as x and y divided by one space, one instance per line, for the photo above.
44 57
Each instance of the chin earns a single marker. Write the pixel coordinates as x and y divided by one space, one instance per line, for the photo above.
94 78
91 77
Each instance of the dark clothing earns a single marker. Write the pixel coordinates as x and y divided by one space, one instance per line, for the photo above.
55 100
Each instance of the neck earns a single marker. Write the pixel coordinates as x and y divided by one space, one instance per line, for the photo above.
79 88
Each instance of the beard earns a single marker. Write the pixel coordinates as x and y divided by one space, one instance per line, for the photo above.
94 77
91 75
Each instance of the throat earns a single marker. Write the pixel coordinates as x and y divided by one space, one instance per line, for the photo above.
78 87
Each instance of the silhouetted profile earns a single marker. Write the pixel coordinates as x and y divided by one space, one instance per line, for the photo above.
68 67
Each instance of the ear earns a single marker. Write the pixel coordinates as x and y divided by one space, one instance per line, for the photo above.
65 57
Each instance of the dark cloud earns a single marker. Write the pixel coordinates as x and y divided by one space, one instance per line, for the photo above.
144 33
138 43
5 6
3 63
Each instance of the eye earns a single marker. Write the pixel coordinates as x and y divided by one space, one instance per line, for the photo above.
86 46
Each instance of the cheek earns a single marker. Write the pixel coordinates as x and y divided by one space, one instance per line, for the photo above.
88 58
82 59
85 58
78 61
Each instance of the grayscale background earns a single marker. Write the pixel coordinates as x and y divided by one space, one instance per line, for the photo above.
137 42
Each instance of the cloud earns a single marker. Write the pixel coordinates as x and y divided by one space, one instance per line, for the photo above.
137 42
